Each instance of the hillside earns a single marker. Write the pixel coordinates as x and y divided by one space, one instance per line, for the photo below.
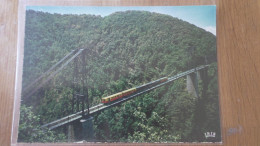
125 49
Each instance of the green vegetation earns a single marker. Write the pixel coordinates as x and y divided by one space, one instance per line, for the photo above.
125 49
30 130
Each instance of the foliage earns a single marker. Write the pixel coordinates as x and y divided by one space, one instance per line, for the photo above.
30 130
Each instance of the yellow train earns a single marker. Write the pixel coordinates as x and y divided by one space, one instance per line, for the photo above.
118 95
122 94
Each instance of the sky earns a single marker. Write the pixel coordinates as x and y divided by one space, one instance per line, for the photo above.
201 16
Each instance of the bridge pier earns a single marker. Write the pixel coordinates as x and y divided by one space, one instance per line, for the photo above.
192 83
71 134
198 74
87 129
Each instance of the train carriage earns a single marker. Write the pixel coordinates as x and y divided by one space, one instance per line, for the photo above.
127 92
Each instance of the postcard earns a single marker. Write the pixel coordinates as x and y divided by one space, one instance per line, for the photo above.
135 74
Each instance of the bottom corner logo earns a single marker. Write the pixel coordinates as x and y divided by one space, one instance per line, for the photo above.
210 134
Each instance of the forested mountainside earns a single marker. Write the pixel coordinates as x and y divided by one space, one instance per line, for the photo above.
124 50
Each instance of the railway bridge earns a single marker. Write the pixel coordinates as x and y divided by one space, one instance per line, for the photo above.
86 113
192 75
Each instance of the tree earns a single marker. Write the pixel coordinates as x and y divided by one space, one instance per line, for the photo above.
30 130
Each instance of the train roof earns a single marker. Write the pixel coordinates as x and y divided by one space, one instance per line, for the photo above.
112 95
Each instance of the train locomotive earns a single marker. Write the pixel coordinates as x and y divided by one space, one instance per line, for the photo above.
114 97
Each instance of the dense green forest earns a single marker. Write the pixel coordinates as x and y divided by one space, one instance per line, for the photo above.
124 50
